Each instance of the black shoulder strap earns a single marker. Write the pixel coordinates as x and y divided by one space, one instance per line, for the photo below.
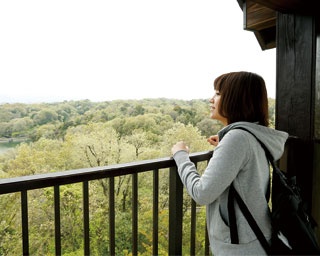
234 195
268 155
266 150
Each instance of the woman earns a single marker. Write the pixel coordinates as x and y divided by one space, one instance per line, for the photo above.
240 100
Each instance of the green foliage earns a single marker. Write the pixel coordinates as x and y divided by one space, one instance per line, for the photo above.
39 157
187 133
95 144
272 112
10 235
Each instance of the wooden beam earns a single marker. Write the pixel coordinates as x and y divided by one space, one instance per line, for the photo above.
262 21
258 17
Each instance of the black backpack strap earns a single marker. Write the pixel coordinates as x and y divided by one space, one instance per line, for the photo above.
232 217
234 195
268 154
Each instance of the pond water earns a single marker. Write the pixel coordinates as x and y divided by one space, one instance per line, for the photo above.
7 144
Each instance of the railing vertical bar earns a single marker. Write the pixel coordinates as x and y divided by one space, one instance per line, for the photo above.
206 243
193 228
135 214
155 234
112 240
86 225
57 221
175 213
25 226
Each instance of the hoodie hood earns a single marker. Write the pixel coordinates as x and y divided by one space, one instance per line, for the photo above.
273 139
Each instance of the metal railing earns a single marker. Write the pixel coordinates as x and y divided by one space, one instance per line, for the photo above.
25 184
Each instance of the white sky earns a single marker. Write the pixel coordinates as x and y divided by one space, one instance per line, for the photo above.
123 49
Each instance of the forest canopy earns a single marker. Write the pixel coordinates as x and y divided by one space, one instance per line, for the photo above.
77 132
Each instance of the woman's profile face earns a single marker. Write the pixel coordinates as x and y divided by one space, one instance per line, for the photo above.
214 108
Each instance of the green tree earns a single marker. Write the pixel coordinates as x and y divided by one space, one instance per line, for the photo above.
21 126
39 157
45 116
209 127
5 130
10 235
187 133
96 144
139 140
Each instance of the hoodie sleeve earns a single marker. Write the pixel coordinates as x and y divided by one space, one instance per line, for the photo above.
228 159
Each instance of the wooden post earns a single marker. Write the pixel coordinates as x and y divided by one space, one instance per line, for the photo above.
297 100
175 214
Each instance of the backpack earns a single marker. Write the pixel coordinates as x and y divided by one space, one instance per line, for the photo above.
292 226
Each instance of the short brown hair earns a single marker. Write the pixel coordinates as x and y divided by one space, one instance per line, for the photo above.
243 97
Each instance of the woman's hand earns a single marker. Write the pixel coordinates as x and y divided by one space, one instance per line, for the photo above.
213 140
179 146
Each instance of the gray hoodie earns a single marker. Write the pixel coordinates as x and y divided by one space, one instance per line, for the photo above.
240 159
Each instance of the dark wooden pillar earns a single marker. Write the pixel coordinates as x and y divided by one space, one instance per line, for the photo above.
316 177
297 101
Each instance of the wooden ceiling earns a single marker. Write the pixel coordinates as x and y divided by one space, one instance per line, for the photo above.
259 16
